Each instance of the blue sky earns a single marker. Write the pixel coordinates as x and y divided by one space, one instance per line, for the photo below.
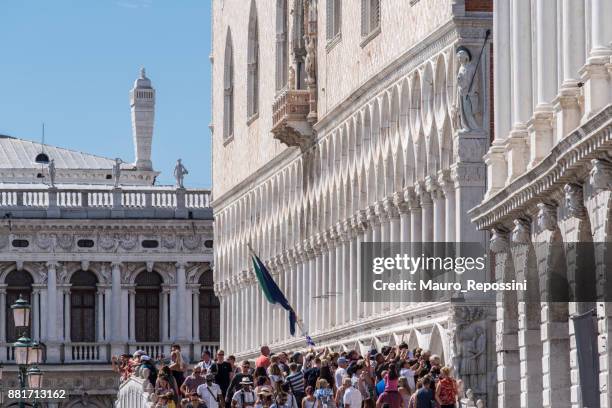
71 64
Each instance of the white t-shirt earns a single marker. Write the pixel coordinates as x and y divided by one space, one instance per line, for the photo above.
247 396
210 394
339 375
352 397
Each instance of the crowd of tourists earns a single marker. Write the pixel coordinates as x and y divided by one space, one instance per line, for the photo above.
393 377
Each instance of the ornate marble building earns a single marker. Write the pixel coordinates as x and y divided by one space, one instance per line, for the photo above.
110 262
548 201
341 122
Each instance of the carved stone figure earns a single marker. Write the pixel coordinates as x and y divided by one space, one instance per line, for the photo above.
168 241
107 242
291 78
65 241
52 172
117 171
547 217
467 99
600 176
311 68
521 232
498 242
191 242
179 173
44 240
128 241
574 203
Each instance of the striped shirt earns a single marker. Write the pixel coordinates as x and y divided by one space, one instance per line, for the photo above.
296 381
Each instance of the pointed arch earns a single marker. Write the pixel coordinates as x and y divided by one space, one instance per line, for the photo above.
253 63
228 87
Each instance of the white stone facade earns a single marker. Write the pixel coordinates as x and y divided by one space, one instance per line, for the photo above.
548 196
377 152
109 264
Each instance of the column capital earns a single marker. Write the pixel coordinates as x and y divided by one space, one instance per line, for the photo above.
423 195
359 222
52 265
433 188
390 207
372 215
181 265
399 200
445 181
116 264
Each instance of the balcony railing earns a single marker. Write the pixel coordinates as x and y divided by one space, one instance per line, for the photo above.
290 123
102 201
85 352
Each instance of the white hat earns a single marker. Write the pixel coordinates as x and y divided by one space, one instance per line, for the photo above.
139 353
144 357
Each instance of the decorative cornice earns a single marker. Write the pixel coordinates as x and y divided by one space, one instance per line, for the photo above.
571 154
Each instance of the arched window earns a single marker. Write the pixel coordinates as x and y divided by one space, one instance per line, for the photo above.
18 283
147 310
281 44
299 47
253 64
228 87
334 18
209 316
83 307
370 16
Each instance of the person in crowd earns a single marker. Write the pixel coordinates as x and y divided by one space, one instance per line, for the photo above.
165 371
345 384
122 366
295 381
276 374
147 364
390 395
408 370
231 359
324 394
404 391
264 398
163 385
223 372
341 370
298 359
211 393
166 401
283 363
245 397
327 374
380 383
193 381
352 397
446 389
309 400
177 364
206 362
312 374
193 401
245 372
264 358
425 397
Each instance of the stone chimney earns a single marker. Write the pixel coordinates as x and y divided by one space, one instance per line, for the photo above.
142 103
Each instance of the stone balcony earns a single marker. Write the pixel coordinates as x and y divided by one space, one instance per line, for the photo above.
290 124
78 201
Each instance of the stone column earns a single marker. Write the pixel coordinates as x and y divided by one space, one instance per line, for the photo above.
117 335
448 187
341 276
100 314
52 341
416 221
506 345
164 313
439 211
329 309
108 306
496 163
401 204
540 127
67 325
375 238
427 215
131 295
181 298
567 108
345 299
195 302
596 73
3 314
522 106
36 320
359 226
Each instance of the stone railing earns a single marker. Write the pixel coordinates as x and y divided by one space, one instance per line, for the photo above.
290 117
85 353
154 350
199 348
104 201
